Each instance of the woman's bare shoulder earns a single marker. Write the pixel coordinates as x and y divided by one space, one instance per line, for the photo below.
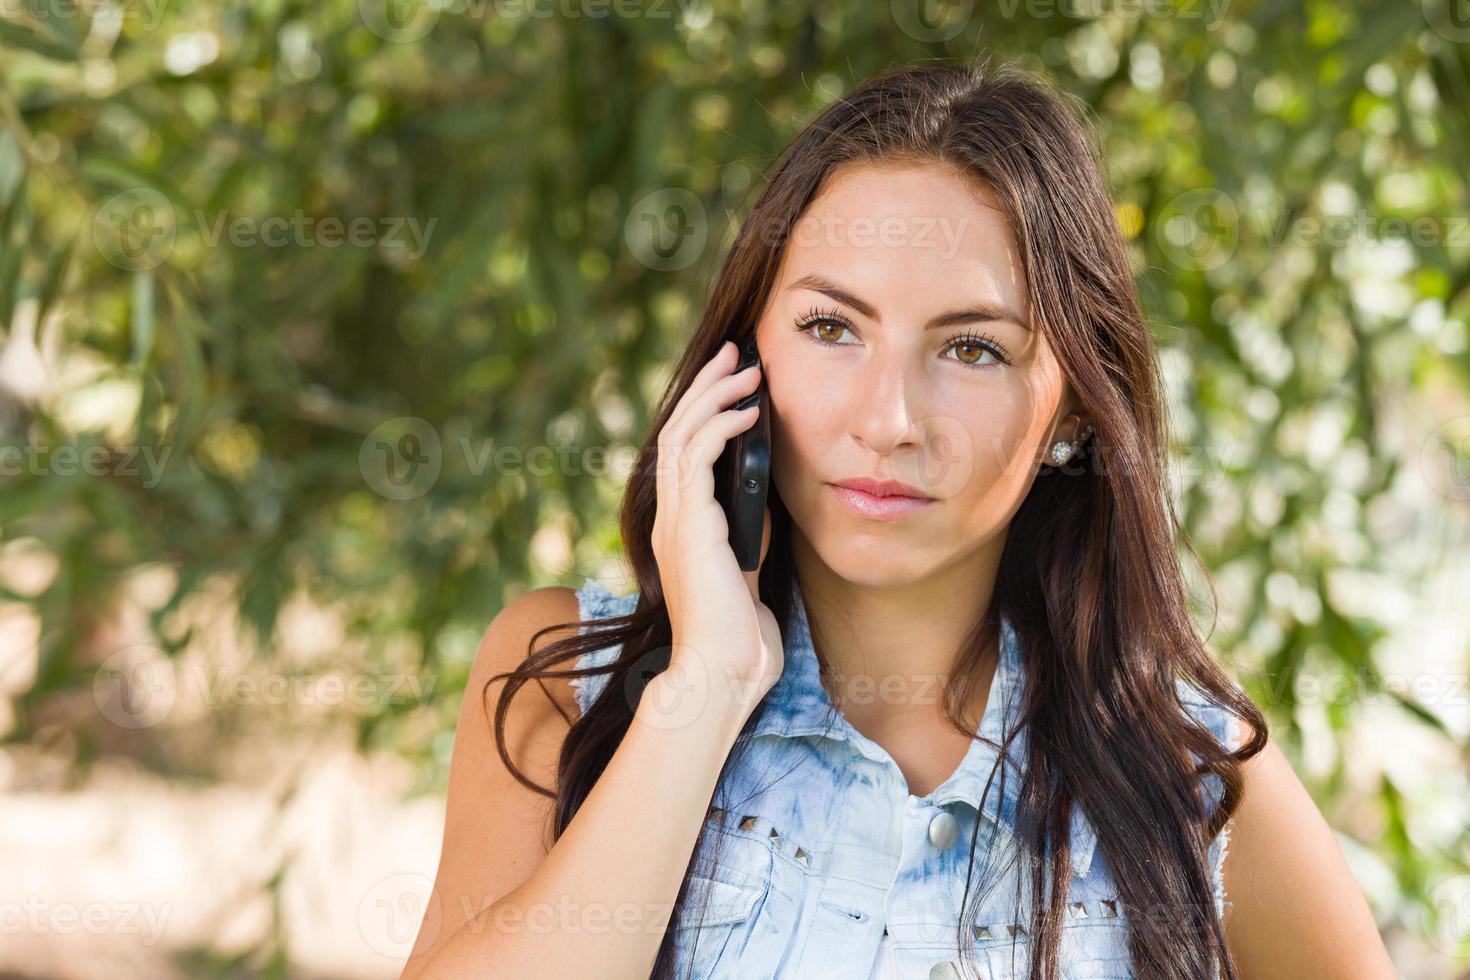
1297 908
496 827
508 640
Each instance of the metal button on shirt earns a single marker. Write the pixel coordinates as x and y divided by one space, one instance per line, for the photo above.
944 830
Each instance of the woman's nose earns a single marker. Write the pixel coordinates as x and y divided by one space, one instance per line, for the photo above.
887 406
895 413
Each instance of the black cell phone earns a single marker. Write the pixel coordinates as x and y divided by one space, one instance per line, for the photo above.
743 472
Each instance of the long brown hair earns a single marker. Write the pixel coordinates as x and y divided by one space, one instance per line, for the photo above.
1089 575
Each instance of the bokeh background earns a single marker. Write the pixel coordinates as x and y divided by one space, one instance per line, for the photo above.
326 329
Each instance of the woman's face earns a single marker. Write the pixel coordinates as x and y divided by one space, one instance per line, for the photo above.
879 382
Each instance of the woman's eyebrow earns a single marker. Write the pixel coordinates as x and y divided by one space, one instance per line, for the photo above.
980 312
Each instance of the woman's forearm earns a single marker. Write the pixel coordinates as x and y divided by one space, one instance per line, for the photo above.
599 903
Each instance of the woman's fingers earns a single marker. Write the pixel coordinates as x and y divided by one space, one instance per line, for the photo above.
698 457
701 578
697 408
714 369
676 469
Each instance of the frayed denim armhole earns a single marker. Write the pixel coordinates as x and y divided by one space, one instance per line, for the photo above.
1226 729
594 601
1221 846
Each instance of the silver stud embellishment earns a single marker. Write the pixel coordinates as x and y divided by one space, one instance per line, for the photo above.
1079 910
803 857
944 830
1110 908
747 823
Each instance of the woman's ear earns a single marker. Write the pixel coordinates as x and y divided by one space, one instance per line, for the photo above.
1073 421
1068 438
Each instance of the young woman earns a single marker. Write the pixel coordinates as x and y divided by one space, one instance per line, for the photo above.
960 723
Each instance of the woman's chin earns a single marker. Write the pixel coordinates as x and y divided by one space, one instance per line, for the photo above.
875 567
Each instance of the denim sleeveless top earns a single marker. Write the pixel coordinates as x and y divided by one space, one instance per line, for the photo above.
829 868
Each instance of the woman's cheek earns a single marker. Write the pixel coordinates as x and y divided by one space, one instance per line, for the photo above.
809 406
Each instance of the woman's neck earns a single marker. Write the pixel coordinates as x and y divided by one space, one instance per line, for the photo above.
891 649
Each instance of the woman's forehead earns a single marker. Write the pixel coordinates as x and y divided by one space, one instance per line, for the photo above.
907 238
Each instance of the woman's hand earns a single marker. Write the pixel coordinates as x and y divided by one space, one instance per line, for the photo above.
720 626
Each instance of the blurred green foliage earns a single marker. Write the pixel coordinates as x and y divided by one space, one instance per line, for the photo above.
292 294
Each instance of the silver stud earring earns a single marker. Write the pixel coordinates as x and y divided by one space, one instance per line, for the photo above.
1062 450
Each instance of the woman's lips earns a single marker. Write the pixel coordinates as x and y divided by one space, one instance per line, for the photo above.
878 508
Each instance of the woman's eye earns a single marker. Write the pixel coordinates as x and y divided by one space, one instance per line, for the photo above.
970 350
826 331
973 353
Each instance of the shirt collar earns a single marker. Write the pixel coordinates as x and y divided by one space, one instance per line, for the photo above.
797 705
